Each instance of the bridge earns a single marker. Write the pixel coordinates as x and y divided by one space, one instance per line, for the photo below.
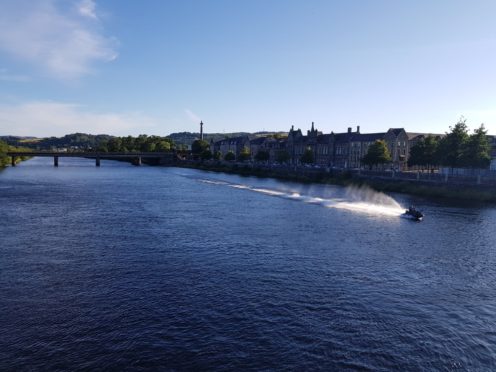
136 157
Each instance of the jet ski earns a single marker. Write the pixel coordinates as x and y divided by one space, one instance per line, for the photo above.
413 214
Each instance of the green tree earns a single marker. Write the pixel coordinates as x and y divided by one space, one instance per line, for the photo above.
282 156
206 155
244 154
307 157
230 156
262 155
217 155
199 146
417 154
452 147
163 146
477 152
424 153
378 153
431 145
114 144
102 147
148 147
4 159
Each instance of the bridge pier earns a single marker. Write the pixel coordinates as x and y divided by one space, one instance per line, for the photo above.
13 161
97 161
138 162
55 161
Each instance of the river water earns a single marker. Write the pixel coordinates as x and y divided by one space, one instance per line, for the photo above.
124 267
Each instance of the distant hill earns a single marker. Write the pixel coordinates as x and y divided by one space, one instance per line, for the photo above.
83 141
17 140
70 141
187 138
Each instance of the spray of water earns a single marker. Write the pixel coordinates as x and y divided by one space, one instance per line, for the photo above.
357 199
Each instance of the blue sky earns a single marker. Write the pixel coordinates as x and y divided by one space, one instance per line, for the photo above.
155 67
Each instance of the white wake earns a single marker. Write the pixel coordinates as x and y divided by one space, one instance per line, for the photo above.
357 199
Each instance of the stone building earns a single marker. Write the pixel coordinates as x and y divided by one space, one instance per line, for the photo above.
398 145
341 150
235 145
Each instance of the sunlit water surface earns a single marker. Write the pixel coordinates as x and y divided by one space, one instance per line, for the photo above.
128 267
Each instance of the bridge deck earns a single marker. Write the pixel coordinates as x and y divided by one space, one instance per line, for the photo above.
90 154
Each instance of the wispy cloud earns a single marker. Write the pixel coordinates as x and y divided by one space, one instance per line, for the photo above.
61 42
192 116
57 118
87 8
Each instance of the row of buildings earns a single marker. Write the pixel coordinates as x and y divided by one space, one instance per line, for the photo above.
344 150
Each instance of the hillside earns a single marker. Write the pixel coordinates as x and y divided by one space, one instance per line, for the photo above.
69 141
187 138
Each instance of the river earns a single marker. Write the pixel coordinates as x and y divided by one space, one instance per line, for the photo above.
123 267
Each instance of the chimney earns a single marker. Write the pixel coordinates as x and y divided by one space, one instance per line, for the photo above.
349 129
358 129
201 130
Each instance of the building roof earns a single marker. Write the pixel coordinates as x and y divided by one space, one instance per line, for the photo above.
412 136
232 141
324 138
396 131
368 137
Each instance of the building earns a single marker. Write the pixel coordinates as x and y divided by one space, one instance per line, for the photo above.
235 145
397 141
341 150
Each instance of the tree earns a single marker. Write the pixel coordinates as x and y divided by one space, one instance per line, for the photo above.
307 157
244 154
163 146
148 147
198 147
378 153
262 155
424 152
417 154
4 159
114 144
477 152
230 156
217 155
431 145
282 156
206 155
451 148
102 147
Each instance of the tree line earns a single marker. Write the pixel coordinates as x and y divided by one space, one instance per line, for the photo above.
4 148
142 143
456 149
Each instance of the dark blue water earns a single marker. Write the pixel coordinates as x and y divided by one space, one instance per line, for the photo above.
124 267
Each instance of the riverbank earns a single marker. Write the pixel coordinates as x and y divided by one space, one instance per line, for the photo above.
429 189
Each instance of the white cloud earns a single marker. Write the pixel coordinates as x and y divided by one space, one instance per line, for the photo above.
45 119
60 42
87 8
